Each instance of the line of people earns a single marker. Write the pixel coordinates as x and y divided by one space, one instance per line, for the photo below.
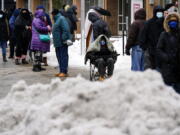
30 33
155 43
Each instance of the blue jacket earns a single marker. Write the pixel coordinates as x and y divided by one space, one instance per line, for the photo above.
60 31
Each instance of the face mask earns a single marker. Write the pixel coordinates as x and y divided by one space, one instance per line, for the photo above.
173 24
1 16
159 15
102 42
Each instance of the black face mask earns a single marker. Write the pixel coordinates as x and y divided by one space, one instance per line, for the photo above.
25 15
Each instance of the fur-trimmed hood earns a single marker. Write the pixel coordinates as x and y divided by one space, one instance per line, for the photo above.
168 18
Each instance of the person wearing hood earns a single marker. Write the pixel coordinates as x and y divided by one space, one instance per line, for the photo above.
48 22
71 14
99 26
48 19
168 51
101 53
4 34
61 36
38 46
23 35
149 37
12 32
137 59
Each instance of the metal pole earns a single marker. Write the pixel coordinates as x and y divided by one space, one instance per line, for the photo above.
123 26
2 5
82 27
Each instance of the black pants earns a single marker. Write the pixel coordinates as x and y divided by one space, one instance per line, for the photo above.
101 64
12 45
22 46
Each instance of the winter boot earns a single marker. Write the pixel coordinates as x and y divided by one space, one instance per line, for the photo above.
24 61
45 61
17 62
4 58
36 68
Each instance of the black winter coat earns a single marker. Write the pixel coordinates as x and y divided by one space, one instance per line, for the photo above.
151 32
99 26
168 50
135 29
4 28
20 25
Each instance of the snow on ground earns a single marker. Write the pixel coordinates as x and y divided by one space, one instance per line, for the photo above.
127 104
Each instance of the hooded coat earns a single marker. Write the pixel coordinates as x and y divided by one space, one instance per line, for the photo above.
21 23
39 27
168 51
151 32
135 28
60 30
4 28
99 26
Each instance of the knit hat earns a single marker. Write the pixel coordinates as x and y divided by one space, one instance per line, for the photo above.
40 7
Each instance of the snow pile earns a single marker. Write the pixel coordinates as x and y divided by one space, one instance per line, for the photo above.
130 103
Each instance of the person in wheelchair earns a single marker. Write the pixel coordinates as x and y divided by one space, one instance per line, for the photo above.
101 53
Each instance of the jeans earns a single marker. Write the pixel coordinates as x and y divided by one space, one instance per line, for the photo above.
137 59
62 57
3 45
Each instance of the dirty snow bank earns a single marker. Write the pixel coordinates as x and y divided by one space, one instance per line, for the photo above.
127 104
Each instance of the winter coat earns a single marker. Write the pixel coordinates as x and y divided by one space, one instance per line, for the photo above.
135 28
4 28
39 27
60 30
151 32
13 19
99 26
168 52
73 19
20 25
96 51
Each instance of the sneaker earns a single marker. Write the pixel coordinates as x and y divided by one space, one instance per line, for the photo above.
24 61
101 78
63 75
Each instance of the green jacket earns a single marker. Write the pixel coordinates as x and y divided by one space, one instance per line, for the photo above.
60 30
96 47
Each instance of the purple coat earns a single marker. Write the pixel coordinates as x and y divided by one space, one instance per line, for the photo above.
39 26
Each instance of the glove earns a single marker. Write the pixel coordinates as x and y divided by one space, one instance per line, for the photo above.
68 42
128 52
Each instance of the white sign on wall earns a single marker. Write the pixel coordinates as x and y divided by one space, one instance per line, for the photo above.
135 5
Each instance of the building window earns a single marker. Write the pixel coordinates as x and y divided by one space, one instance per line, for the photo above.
90 3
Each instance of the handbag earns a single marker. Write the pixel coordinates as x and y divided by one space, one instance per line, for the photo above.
43 37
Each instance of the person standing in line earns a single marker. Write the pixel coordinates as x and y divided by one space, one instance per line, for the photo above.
37 45
4 34
168 51
61 36
48 23
137 56
23 35
149 37
12 43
